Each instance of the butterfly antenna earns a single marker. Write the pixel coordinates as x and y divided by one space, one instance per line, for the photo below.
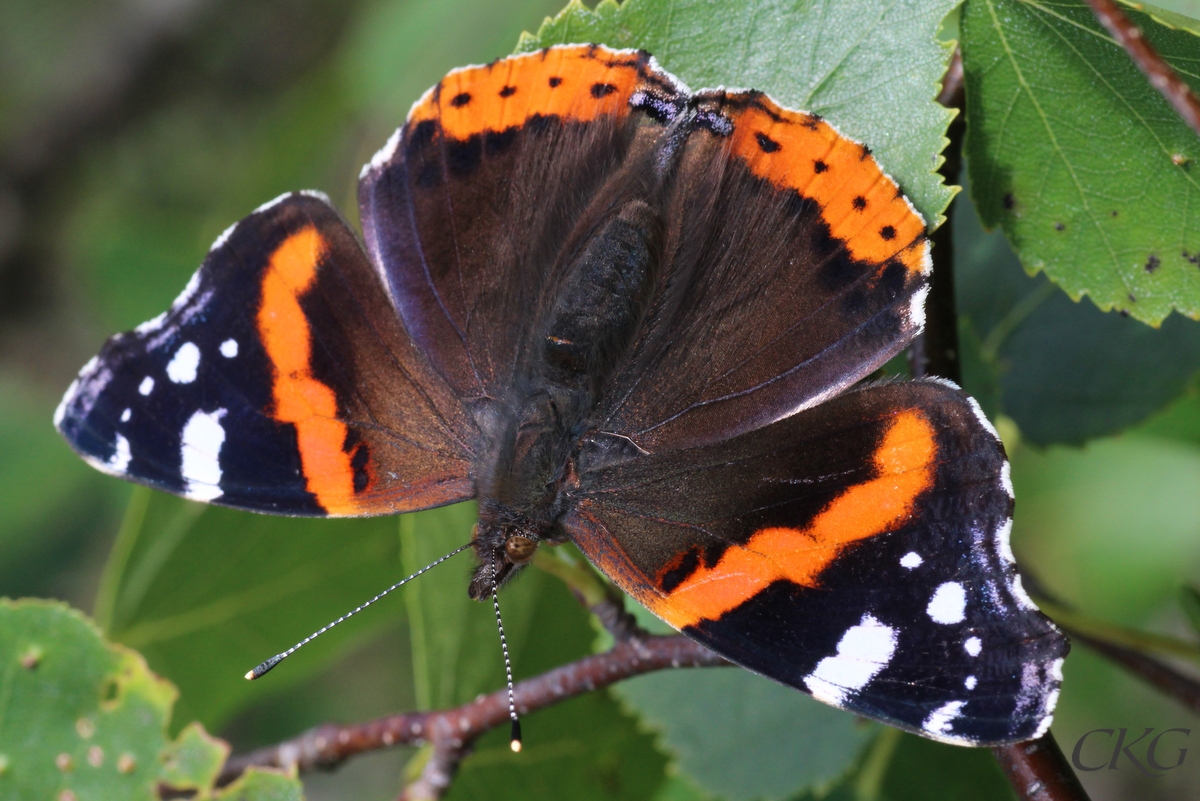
515 741
266 666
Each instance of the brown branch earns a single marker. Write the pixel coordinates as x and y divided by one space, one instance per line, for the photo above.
1160 74
1038 771
951 95
453 732
1168 680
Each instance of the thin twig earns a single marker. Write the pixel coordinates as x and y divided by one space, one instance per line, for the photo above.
1038 771
452 732
1160 74
1168 680
951 95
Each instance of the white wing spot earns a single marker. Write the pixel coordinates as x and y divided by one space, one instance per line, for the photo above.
200 453
125 415
916 308
1018 591
270 204
229 348
119 461
147 386
863 651
182 369
974 646
941 720
223 238
1004 542
318 194
1006 479
911 559
384 155
970 682
983 421
949 603
151 325
945 382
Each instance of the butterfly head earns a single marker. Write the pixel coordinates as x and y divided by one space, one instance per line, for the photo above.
503 543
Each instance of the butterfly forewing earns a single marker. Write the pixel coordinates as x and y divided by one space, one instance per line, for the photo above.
280 381
476 204
793 269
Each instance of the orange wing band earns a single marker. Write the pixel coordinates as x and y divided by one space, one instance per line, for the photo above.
904 461
301 399
578 83
861 205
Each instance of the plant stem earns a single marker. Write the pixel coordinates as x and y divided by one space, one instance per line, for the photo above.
452 732
1158 72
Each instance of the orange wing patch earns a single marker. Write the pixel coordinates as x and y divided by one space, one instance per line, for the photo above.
862 206
578 82
301 399
904 461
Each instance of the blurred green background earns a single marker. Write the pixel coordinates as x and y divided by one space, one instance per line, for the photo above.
132 133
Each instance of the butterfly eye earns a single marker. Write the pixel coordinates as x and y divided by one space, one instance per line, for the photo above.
519 549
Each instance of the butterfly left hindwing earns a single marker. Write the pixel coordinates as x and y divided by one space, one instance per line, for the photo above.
857 551
279 381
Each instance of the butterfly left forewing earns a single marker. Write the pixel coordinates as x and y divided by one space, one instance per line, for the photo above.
857 551
280 381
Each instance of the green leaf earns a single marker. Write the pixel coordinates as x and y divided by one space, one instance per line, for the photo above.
871 69
261 784
1109 528
80 715
206 593
1064 371
194 760
50 500
921 769
1189 599
1086 167
585 749
741 736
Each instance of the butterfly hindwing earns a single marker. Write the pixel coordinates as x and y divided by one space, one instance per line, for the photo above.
857 550
279 381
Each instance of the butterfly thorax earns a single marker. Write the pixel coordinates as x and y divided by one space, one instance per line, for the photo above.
548 420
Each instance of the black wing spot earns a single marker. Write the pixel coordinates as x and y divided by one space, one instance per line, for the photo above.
600 90
820 166
554 81
888 232
766 143
508 91
461 99
859 202
678 572
358 462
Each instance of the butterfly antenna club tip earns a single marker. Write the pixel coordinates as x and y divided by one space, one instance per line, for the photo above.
515 740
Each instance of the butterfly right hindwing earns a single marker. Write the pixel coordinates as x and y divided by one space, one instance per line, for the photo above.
857 551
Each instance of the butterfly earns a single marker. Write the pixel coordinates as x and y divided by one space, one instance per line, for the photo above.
630 316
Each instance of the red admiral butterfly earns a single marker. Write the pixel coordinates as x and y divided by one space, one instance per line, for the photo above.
633 317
